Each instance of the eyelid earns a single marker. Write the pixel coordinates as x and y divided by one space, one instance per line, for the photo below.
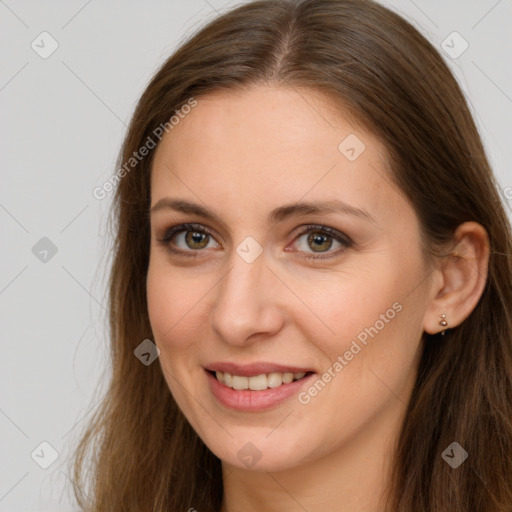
313 228
187 226
175 230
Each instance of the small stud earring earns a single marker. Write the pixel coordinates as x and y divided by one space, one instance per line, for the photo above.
443 323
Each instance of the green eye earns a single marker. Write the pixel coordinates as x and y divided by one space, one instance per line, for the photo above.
196 239
190 239
319 240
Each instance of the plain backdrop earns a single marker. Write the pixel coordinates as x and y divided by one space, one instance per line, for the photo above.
63 118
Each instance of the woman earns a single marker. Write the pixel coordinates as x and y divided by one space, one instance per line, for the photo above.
311 292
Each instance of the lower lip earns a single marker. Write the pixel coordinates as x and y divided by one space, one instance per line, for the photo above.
247 400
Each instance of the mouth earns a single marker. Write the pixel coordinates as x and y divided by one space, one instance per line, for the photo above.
256 387
259 382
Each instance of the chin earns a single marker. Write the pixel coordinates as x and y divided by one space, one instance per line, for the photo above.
257 455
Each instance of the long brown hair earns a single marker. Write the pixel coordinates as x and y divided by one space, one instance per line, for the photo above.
138 451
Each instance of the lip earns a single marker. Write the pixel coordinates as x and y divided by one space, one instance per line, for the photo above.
253 401
253 369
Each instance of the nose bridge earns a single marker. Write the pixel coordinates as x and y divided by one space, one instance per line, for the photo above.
246 299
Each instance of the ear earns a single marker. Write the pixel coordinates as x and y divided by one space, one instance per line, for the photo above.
460 280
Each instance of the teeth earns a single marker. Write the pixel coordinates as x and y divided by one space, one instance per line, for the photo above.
258 382
240 382
274 380
287 378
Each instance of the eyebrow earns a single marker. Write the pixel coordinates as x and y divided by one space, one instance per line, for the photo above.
277 215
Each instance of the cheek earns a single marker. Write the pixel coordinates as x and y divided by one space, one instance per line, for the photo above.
173 307
370 318
345 304
173 300
375 309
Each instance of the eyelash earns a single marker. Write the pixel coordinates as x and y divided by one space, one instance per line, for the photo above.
311 228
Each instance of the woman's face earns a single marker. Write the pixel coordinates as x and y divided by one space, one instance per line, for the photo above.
263 290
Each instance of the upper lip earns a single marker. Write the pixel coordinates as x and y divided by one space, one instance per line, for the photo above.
253 369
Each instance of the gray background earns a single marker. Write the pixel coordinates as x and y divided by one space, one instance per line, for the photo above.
63 119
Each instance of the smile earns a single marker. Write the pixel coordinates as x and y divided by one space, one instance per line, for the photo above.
258 382
257 392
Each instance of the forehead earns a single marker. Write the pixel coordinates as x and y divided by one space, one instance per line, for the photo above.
269 146
263 123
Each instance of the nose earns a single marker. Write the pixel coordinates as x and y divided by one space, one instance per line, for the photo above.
247 307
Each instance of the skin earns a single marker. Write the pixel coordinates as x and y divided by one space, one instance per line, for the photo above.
242 154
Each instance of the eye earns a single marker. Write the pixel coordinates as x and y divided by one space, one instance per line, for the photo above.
190 239
320 239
